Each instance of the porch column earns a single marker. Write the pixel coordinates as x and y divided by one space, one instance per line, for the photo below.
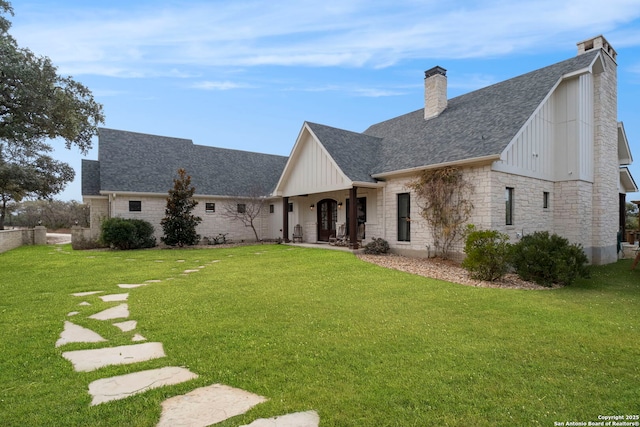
285 219
353 218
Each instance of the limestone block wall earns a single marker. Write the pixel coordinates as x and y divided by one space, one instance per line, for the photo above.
98 211
421 243
529 214
12 239
212 224
605 193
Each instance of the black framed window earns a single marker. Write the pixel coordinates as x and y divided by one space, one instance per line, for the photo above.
272 208
508 199
290 207
135 206
242 208
210 207
545 199
404 217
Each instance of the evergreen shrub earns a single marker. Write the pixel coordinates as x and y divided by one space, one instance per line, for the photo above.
548 259
377 246
122 233
487 252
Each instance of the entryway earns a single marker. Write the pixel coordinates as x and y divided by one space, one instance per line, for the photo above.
327 218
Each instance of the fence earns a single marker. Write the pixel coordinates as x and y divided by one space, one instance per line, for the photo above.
11 239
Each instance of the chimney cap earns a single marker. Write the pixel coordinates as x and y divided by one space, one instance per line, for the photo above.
434 71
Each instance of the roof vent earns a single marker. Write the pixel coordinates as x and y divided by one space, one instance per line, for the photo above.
435 92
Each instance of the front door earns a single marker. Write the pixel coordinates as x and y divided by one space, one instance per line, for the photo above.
327 217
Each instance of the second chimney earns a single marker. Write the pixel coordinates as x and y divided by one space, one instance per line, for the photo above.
435 92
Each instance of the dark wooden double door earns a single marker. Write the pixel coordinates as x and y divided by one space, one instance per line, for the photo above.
327 218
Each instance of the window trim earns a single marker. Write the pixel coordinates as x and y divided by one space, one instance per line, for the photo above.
403 230
509 205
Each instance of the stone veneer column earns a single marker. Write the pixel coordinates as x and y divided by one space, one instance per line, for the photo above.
606 168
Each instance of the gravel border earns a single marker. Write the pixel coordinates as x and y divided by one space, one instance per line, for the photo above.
449 271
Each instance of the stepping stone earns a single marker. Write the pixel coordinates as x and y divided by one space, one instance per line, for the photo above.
207 405
116 312
179 260
191 271
85 294
127 286
90 360
153 281
84 303
138 337
72 313
77 333
127 326
122 386
114 297
298 419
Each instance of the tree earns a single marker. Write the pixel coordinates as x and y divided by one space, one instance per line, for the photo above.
443 199
245 210
37 104
179 225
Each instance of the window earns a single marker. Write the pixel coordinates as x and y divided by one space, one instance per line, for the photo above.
290 207
404 218
135 206
242 208
508 196
545 199
272 209
209 207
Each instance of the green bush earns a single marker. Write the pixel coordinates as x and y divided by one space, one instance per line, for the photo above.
121 233
377 246
487 254
548 259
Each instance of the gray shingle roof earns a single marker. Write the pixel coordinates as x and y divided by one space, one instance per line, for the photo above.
90 177
474 125
139 162
356 154
477 124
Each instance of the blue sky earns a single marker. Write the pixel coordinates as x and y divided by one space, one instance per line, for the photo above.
247 74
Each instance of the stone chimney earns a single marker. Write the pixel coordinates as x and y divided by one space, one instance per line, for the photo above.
598 42
435 92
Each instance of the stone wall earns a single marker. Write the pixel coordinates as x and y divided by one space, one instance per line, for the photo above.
11 239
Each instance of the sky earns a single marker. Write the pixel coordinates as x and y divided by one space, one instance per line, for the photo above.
246 74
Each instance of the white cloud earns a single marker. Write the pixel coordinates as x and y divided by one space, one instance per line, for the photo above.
223 85
146 40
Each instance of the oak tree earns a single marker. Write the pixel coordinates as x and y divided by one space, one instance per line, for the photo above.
37 105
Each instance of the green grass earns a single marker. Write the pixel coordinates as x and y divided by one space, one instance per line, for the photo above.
315 329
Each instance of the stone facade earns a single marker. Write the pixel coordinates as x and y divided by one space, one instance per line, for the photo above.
605 188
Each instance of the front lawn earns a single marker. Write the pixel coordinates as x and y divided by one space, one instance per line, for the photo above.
321 330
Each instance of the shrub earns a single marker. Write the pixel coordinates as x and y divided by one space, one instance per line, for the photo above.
121 233
487 252
377 246
548 259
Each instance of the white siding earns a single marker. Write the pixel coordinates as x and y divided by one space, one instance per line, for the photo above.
556 144
312 170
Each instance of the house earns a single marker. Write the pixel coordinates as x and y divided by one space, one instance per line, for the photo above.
544 151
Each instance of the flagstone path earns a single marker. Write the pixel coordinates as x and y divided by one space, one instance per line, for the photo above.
200 407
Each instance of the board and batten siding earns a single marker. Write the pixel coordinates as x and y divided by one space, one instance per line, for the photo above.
314 171
556 143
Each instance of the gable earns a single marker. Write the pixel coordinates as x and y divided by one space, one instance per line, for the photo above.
310 169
